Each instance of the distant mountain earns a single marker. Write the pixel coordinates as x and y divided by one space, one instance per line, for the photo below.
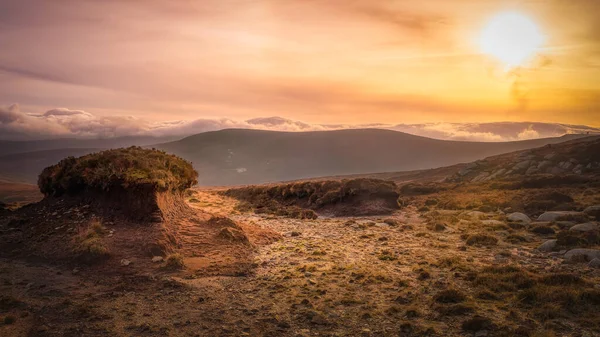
241 156
25 167
12 147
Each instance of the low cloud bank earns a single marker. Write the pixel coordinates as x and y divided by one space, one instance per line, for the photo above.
62 122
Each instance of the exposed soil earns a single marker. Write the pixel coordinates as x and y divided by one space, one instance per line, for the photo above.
347 197
409 273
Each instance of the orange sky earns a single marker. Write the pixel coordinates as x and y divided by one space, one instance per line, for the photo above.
320 61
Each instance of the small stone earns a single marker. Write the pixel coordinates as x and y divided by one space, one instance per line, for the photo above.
593 211
439 227
156 259
311 281
492 222
125 262
75 271
518 217
547 246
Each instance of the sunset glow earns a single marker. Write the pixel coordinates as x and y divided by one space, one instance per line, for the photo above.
322 61
512 38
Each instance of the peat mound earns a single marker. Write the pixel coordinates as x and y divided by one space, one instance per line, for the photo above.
139 184
348 197
124 212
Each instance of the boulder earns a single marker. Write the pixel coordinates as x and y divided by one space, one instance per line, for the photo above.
496 174
481 177
555 170
559 215
585 227
518 217
532 170
593 211
548 246
544 165
522 166
588 254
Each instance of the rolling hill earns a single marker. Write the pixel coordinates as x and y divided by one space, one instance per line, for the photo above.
25 167
240 156
13 147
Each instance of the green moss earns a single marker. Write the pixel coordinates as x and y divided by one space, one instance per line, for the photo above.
125 168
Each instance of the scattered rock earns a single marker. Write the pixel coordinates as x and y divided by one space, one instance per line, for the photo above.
518 217
439 227
595 263
593 211
156 259
522 166
493 223
233 235
559 215
547 246
391 222
475 215
575 255
585 227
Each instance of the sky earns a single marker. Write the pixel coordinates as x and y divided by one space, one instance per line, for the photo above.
109 66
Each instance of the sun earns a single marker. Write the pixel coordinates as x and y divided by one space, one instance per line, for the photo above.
512 38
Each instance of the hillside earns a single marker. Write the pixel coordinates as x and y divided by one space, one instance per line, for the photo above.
11 192
13 147
25 167
239 156
236 156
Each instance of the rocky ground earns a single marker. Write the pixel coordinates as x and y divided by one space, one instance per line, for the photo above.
416 272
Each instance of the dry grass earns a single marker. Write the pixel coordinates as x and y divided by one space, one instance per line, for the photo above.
481 240
125 168
89 245
449 296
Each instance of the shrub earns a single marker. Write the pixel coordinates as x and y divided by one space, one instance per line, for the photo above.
477 323
449 296
9 320
481 240
568 239
175 262
92 249
125 168
455 309
420 189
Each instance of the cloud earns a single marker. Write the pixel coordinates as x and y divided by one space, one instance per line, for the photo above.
282 124
9 114
63 123
65 112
